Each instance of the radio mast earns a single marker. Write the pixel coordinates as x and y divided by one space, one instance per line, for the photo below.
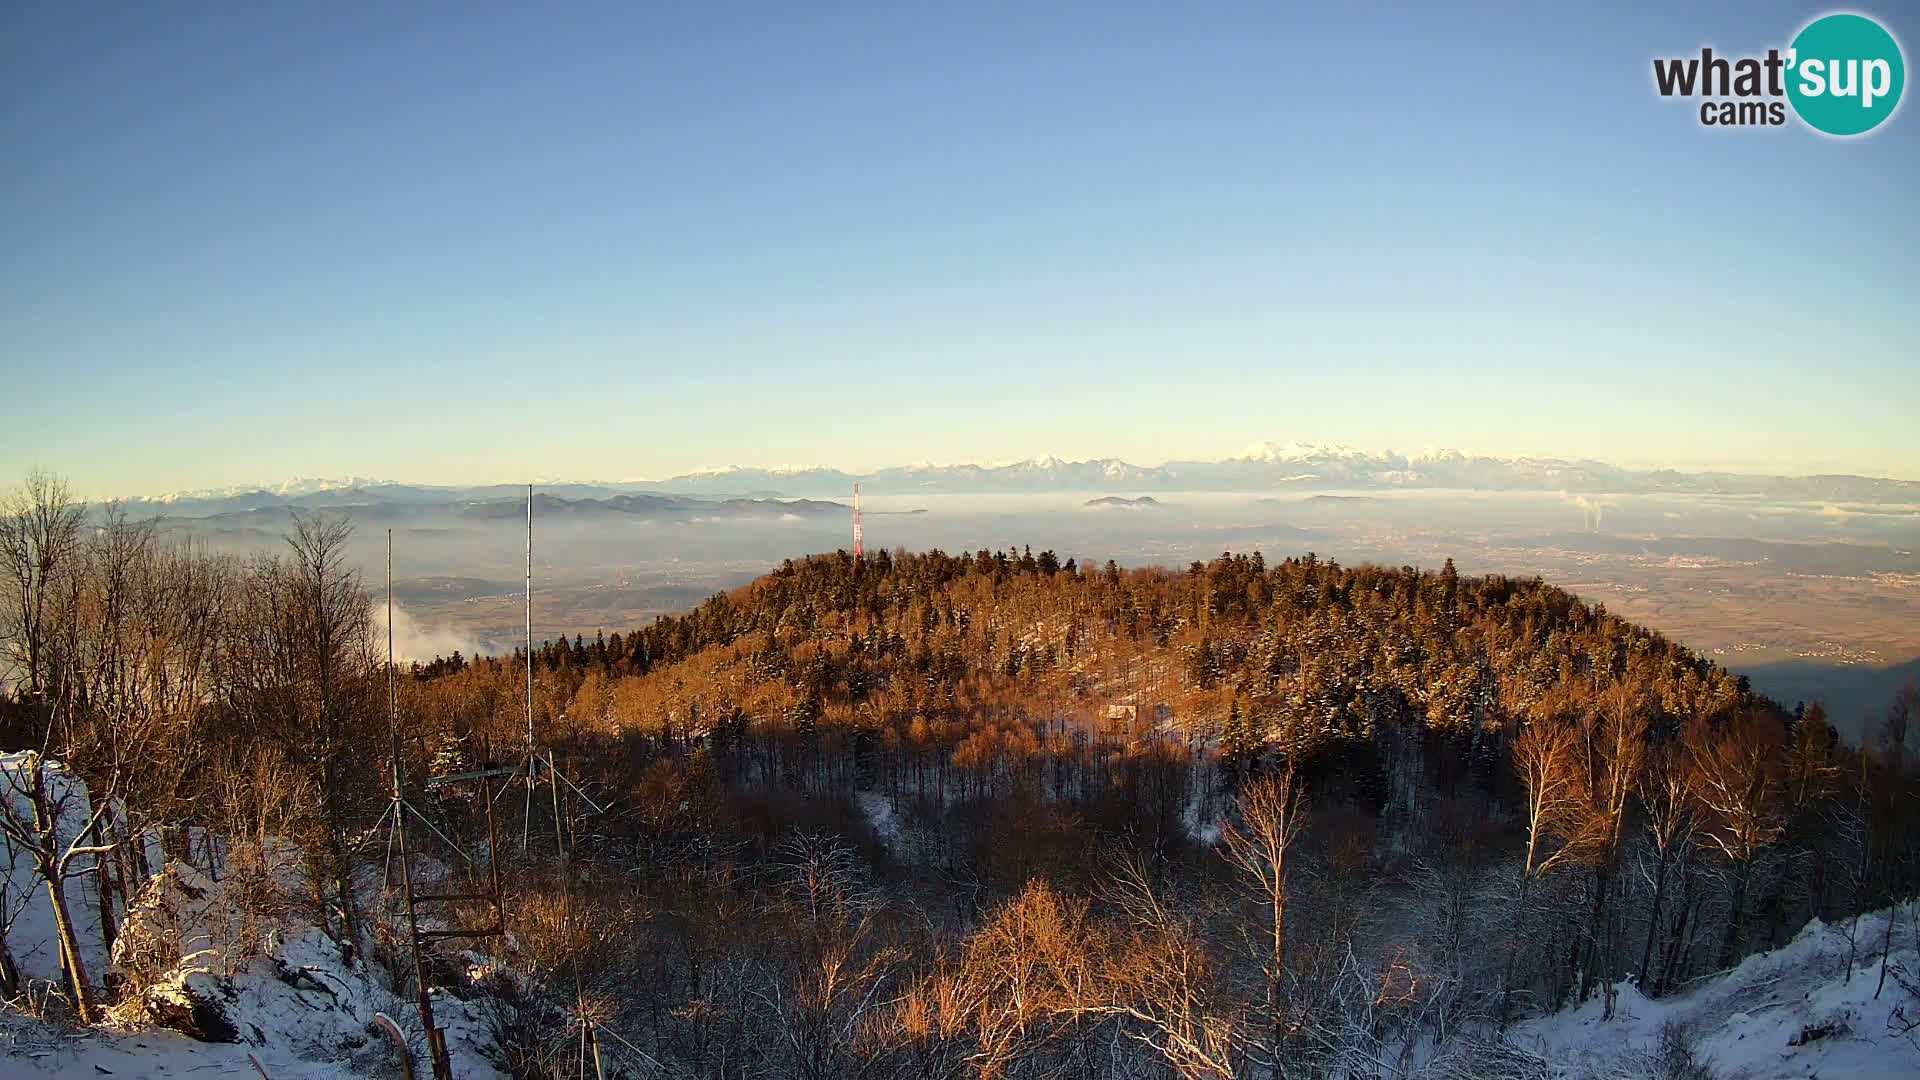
533 757
859 545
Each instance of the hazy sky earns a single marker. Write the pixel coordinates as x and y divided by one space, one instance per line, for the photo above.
244 242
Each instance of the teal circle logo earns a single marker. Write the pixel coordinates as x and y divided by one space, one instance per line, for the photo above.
1845 74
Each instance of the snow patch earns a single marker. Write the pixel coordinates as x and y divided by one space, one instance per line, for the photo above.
886 824
1796 1011
24 902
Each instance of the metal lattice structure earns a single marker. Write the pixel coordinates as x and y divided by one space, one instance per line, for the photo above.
486 890
859 539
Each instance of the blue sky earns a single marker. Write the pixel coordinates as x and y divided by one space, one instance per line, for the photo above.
458 243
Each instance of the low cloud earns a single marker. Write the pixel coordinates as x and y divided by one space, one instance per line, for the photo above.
1591 509
414 640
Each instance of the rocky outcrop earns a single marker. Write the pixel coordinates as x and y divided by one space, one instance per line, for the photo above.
192 1005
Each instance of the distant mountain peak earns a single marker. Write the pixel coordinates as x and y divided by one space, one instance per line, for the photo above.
302 485
308 485
1299 451
1043 462
1260 467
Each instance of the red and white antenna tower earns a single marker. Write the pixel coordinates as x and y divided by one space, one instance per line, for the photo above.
859 544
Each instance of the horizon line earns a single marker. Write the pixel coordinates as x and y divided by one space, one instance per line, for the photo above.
350 482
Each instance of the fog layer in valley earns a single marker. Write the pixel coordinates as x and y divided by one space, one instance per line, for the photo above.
1812 599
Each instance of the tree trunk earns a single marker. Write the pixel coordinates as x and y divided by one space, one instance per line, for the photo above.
9 970
103 883
1677 944
1730 948
1653 923
1590 949
1506 977
1853 927
1886 949
341 870
1611 949
1275 989
70 946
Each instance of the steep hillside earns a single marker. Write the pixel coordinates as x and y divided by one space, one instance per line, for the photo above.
1818 1007
1308 655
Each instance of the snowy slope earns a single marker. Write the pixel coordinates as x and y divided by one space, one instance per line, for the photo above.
23 895
280 991
1793 1012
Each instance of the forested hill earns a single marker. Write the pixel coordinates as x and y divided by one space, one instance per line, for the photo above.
1014 713
1302 654
1388 687
1009 716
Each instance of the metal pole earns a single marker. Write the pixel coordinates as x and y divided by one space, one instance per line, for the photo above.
859 537
393 706
441 1069
531 763
566 900
559 838
493 843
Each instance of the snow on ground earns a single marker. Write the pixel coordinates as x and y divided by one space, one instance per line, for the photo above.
340 1050
1202 827
877 806
1206 799
1792 1012
269 986
23 895
286 997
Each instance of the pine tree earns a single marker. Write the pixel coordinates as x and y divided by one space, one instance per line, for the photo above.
1237 746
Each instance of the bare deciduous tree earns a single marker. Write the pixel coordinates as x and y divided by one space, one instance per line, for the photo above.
1546 757
1669 813
38 817
1167 984
1615 751
39 531
1272 815
1734 772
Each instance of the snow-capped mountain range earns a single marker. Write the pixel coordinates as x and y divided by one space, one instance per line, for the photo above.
298 486
1263 467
